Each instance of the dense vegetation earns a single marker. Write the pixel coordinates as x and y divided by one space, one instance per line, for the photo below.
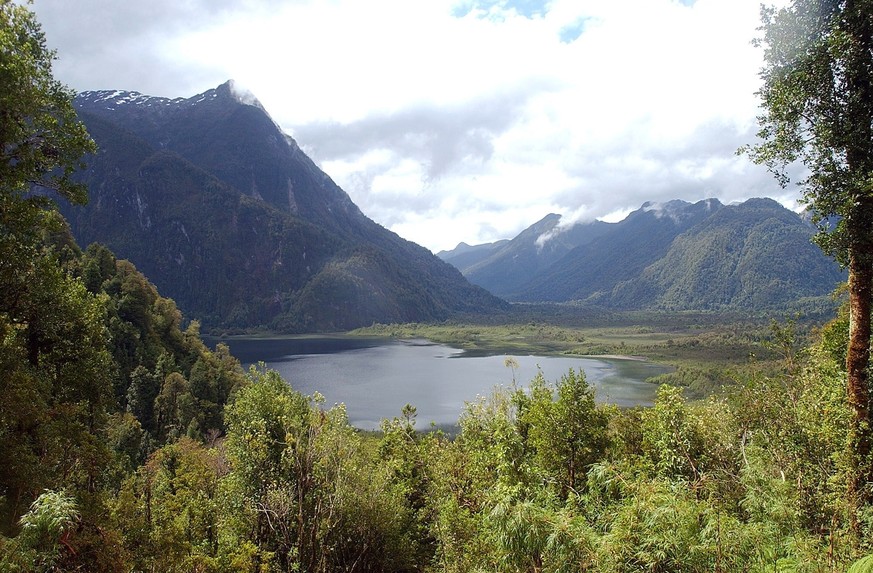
126 444
734 259
817 110
538 479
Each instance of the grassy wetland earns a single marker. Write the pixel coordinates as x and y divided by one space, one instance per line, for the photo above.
708 351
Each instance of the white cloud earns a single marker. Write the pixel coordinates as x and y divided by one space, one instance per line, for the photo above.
449 128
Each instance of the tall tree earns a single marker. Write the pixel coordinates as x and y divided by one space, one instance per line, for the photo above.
42 139
52 339
817 97
41 146
567 432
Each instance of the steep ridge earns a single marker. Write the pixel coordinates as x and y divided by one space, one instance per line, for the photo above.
679 256
464 256
754 255
506 271
619 254
231 136
289 250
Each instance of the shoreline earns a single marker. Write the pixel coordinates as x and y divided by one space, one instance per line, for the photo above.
635 358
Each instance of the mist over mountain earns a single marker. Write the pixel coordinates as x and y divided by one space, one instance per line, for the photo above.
754 255
676 256
226 215
506 267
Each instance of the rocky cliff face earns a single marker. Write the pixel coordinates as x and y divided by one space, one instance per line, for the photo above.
226 214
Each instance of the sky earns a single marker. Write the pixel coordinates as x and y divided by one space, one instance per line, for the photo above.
460 120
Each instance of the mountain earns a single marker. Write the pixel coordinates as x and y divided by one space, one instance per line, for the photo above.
673 256
619 254
464 256
508 268
757 254
227 216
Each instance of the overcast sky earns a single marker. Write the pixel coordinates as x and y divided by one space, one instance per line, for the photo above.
460 120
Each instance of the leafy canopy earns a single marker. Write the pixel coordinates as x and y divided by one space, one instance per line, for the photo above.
41 140
818 106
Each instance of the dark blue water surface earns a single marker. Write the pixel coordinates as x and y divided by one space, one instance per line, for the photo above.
376 377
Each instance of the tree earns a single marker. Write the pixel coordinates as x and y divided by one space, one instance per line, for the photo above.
309 496
44 530
817 97
41 144
42 139
568 432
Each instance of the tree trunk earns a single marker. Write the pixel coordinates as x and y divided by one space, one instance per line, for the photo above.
858 390
859 157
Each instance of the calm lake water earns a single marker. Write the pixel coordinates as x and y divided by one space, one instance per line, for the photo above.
376 377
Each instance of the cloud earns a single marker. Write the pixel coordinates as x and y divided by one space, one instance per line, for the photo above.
460 120
104 44
438 137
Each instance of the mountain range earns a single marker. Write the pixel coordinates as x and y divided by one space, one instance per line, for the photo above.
229 217
674 256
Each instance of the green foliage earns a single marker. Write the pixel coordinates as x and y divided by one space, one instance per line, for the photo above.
862 565
169 510
44 534
817 109
310 498
538 479
126 444
817 97
42 140
567 432
670 437
531 537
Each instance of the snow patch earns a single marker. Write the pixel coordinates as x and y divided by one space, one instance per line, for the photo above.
113 98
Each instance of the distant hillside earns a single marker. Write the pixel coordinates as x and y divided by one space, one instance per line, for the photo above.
509 268
753 255
227 216
464 256
676 256
619 254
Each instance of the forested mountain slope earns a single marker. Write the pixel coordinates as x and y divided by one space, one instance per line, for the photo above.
618 255
676 256
229 217
507 270
755 255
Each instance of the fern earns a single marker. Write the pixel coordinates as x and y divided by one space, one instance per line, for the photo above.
862 565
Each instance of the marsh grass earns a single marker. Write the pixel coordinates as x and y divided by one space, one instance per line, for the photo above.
707 351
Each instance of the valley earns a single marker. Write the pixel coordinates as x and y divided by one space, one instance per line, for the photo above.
212 360
230 218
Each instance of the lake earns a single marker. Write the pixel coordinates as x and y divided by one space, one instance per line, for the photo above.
376 377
